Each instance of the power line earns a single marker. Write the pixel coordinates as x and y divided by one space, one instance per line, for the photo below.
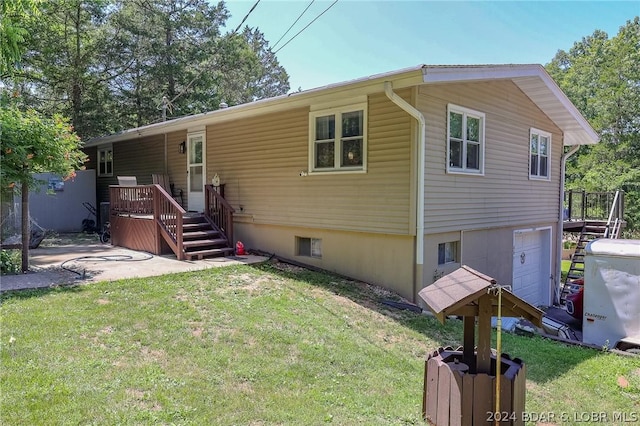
307 26
245 17
295 22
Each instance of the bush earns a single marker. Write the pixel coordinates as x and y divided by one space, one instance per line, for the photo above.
10 261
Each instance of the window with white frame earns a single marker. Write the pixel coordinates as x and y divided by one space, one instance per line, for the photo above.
465 140
539 153
338 139
105 161
447 252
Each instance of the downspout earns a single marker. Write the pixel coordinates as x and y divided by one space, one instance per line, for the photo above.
412 111
563 166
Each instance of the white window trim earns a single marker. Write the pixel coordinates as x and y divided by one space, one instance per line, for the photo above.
337 151
476 114
104 148
539 132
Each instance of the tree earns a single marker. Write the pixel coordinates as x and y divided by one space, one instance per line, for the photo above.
71 58
180 53
108 64
13 16
255 70
601 76
33 144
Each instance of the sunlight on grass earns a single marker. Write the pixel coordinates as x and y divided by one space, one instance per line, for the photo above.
252 345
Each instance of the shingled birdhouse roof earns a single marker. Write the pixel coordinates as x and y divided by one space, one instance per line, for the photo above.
458 293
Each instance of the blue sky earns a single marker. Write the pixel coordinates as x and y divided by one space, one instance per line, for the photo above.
358 38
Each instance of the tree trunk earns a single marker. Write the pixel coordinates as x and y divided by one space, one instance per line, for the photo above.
26 232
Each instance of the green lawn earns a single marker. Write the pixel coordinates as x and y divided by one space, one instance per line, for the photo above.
256 346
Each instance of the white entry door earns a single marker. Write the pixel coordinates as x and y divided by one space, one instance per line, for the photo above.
196 167
532 266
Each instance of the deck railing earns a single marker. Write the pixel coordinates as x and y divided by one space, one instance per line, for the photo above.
169 216
218 211
582 205
152 200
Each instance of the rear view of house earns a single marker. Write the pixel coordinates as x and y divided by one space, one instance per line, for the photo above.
395 179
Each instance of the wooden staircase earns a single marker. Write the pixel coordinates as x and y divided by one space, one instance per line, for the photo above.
202 238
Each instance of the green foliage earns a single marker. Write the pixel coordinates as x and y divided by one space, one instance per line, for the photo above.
601 76
108 64
9 261
14 14
33 144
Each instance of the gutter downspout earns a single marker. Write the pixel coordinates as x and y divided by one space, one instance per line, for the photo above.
412 111
563 166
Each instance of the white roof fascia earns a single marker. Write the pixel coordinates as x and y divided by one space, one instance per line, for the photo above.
576 129
372 84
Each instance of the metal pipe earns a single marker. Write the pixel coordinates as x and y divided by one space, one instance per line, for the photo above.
563 165
415 113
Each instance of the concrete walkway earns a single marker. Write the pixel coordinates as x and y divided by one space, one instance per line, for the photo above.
93 262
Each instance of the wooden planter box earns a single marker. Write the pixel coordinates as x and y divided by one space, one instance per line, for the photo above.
453 395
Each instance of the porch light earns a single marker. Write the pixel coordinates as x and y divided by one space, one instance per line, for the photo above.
182 147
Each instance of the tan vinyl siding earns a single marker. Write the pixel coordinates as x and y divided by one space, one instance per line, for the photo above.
177 163
260 160
504 196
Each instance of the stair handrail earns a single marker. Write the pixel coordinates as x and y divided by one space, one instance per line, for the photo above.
219 212
169 215
615 214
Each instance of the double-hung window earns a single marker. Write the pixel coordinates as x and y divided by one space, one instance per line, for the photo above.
338 139
539 152
465 140
105 161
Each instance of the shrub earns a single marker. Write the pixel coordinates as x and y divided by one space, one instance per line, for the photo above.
10 261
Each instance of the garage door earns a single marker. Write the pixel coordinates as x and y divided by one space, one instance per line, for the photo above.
531 266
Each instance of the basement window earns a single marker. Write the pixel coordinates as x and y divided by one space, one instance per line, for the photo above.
105 161
448 252
310 247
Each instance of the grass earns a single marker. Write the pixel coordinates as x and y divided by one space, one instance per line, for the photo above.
566 264
272 344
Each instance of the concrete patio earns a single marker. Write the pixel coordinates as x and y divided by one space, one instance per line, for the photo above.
87 261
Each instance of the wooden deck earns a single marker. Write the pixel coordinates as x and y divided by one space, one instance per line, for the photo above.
147 218
137 233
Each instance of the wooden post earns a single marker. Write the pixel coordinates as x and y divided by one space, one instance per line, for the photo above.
484 335
468 349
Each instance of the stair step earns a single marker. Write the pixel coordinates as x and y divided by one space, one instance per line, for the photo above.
208 253
194 219
210 233
204 242
196 226
574 276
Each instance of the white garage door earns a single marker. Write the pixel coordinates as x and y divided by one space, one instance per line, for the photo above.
531 266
